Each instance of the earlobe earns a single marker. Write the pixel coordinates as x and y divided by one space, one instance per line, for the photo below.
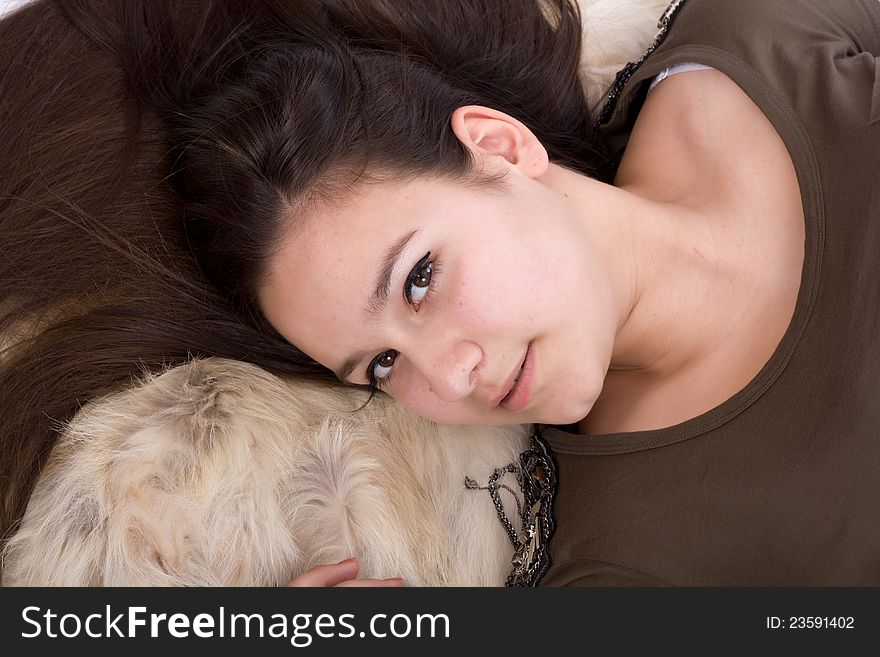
490 134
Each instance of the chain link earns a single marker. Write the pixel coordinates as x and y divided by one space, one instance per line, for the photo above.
536 477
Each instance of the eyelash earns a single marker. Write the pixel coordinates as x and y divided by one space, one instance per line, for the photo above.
426 262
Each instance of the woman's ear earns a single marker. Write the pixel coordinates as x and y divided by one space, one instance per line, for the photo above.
493 135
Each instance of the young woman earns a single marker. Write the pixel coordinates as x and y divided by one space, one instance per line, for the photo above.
682 293
721 416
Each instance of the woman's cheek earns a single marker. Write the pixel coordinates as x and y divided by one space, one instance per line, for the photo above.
415 396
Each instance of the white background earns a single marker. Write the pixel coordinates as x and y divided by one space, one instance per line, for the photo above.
8 5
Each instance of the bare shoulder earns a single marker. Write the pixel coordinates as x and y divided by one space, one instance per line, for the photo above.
708 133
699 102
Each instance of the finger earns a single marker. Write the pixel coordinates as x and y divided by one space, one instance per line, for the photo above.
391 581
328 574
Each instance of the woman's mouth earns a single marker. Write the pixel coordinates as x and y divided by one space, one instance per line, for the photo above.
521 391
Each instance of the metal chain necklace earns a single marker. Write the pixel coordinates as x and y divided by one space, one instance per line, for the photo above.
537 479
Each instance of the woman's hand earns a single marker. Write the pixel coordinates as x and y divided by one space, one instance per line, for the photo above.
343 573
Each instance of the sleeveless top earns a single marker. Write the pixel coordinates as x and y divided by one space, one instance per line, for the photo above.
778 485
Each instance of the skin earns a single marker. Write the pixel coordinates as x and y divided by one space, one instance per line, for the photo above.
343 575
645 302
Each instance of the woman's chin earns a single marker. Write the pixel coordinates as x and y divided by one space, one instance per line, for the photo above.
571 413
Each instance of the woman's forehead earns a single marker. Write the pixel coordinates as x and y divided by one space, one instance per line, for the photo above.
327 270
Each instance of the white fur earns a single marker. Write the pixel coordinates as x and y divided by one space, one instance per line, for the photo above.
615 32
218 473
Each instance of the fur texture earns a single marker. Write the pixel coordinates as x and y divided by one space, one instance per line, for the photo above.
615 32
218 473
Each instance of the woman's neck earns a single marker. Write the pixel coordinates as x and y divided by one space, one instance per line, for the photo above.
672 276
703 233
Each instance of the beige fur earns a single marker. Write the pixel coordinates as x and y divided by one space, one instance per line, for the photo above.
615 32
219 473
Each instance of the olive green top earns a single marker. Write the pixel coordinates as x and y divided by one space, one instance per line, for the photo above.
780 484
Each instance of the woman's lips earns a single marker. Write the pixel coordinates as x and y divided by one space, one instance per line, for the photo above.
519 396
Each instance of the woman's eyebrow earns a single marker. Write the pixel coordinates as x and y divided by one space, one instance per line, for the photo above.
376 303
348 366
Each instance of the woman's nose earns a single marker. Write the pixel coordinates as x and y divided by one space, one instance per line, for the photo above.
450 368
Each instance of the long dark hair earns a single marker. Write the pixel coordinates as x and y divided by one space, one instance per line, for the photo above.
151 149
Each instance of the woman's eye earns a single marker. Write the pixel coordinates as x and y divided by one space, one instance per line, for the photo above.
415 290
381 366
418 283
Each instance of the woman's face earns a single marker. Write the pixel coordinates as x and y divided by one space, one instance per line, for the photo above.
439 291
476 280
